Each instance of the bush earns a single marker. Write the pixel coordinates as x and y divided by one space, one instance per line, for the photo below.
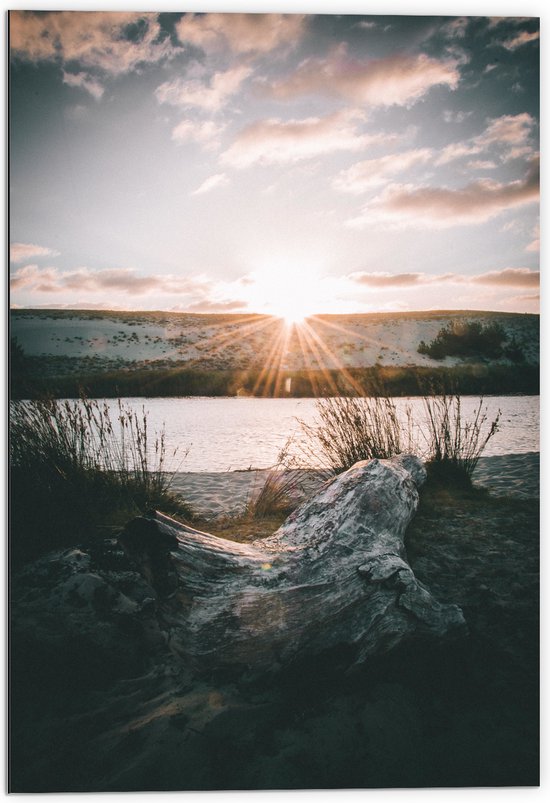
71 472
470 339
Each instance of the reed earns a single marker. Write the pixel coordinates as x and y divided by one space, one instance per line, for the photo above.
454 445
281 490
349 429
75 464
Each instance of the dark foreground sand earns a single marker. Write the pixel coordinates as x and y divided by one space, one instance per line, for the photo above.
463 713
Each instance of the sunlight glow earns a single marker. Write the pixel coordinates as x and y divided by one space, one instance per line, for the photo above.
286 289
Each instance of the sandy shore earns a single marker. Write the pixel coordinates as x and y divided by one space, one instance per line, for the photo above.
216 493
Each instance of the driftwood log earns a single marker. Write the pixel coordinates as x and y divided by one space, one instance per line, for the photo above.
335 573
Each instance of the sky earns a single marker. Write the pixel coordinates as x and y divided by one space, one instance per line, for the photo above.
287 163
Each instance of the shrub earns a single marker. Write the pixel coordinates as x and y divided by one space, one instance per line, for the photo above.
71 471
470 339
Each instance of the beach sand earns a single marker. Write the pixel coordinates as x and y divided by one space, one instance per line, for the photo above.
212 494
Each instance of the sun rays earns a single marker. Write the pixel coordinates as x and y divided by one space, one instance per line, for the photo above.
270 352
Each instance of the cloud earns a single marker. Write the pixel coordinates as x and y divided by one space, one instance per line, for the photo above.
520 39
372 172
241 33
206 133
534 245
212 97
84 81
534 297
474 203
510 132
481 164
456 28
455 116
217 306
276 141
508 277
399 79
509 129
19 252
381 280
115 42
218 180
126 280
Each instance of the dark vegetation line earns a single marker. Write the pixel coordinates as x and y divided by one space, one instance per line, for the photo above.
377 380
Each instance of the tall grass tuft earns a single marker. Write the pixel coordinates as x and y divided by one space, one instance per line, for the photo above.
454 444
73 467
349 429
277 495
280 492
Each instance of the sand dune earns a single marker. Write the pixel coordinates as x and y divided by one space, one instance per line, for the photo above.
120 339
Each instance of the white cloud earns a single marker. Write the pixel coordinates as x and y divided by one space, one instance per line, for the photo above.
362 176
19 252
210 97
241 33
455 116
218 180
509 133
84 81
206 133
115 42
276 141
509 129
534 245
399 79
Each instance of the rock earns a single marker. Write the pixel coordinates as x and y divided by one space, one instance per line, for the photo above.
334 574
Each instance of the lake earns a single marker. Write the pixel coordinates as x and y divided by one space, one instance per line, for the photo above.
227 434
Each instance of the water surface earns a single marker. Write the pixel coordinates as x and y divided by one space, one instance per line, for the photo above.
227 434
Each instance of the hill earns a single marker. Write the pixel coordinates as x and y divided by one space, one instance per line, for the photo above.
74 344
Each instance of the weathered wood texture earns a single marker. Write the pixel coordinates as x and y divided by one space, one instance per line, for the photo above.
335 573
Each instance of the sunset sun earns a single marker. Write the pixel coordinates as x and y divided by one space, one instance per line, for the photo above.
286 289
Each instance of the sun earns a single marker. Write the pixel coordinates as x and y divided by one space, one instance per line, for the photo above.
286 290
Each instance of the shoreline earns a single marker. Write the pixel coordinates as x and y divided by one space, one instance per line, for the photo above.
218 493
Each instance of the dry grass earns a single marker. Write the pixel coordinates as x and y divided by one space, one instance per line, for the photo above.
454 444
349 429
75 465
